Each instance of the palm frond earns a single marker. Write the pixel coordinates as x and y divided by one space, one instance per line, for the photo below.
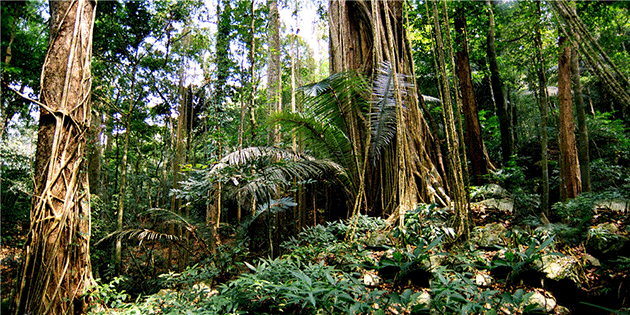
274 206
159 220
271 207
168 217
260 171
383 115
281 175
320 136
315 89
339 100
145 234
137 233
431 99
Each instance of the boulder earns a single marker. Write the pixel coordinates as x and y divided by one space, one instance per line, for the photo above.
483 280
605 239
540 302
424 299
617 205
488 235
503 204
371 280
490 191
434 261
378 240
560 267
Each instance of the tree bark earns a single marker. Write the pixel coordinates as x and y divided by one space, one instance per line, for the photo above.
274 83
497 89
606 70
362 35
570 182
95 153
580 108
455 174
57 270
543 105
474 142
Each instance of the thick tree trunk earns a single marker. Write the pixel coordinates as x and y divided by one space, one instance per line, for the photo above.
57 269
505 123
362 35
570 182
474 142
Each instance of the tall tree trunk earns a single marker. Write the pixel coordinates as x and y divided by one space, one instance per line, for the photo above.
253 81
505 123
580 108
570 182
362 35
606 70
94 153
10 109
274 83
474 142
179 157
56 269
122 193
543 105
455 174
107 151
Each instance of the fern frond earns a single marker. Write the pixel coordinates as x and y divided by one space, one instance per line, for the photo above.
137 233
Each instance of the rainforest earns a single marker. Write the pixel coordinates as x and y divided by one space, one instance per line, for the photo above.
315 157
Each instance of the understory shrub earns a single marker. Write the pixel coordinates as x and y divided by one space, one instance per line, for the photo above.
577 212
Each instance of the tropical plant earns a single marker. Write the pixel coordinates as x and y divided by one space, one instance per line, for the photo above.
576 212
348 121
257 173
159 224
145 238
425 224
325 125
513 263
406 266
107 294
456 293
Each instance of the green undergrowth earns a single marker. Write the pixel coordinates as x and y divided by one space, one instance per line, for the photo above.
382 270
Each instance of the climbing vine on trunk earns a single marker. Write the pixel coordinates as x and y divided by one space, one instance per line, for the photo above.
57 269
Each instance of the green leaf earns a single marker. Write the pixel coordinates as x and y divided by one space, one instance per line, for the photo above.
250 266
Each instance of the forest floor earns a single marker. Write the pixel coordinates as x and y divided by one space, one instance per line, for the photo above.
506 256
13 239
